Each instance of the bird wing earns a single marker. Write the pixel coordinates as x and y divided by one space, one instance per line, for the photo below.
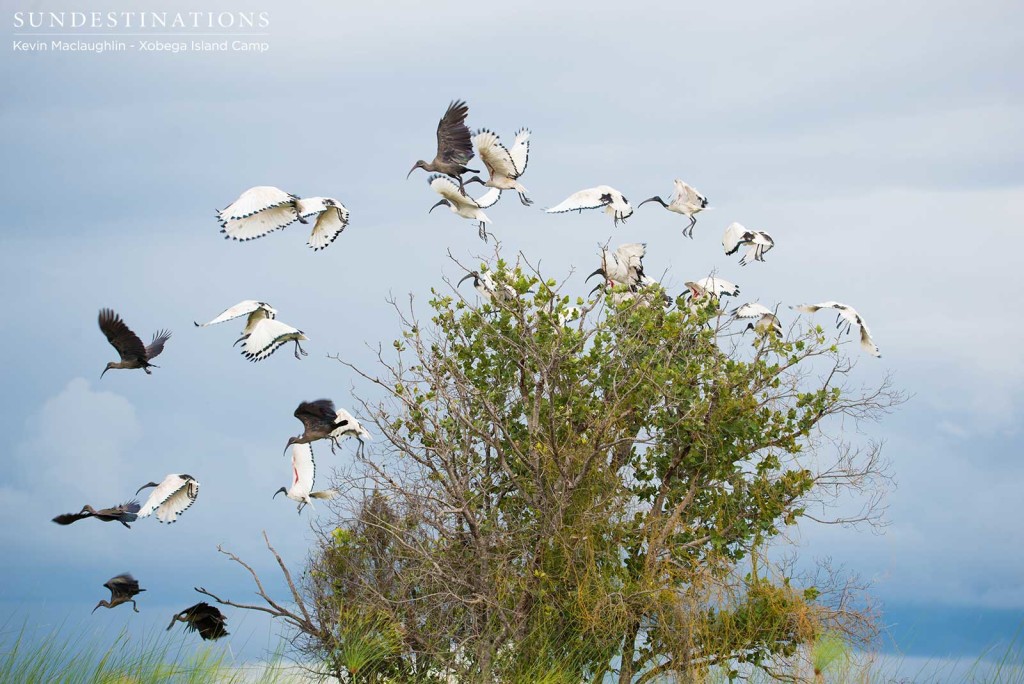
520 151
488 198
751 310
328 226
316 414
632 255
352 425
866 343
446 188
495 156
311 206
718 286
123 585
253 201
266 337
591 198
734 236
240 309
303 469
690 194
127 343
171 498
454 143
260 224
157 345
68 518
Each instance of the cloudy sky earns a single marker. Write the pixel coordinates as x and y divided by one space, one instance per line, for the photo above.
879 143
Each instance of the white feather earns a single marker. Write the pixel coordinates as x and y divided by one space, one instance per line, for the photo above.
171 498
247 306
602 196
352 429
266 336
253 201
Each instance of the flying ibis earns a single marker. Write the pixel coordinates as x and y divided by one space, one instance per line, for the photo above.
332 218
757 242
602 197
505 165
129 347
488 289
303 474
685 200
319 421
462 204
350 427
124 514
203 618
263 334
122 590
259 211
767 321
847 317
454 145
172 497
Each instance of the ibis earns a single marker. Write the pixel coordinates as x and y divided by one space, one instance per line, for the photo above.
129 347
685 200
172 497
488 289
203 618
624 266
332 218
263 334
350 427
505 165
463 205
711 288
602 197
259 211
757 242
124 514
767 321
847 316
319 421
303 473
122 588
454 145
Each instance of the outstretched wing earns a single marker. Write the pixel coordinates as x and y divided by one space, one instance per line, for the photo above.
121 338
123 585
488 198
68 518
751 310
316 414
303 468
267 335
171 498
258 225
240 309
454 143
157 345
495 156
591 198
328 226
520 151
253 201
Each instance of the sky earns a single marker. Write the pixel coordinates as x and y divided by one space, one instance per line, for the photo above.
879 143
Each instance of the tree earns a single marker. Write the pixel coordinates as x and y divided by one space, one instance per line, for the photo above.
581 493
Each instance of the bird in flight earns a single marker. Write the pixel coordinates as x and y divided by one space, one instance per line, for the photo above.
129 347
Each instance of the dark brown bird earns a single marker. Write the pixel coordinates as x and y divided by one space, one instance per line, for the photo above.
202 618
454 145
124 514
128 345
122 589
320 419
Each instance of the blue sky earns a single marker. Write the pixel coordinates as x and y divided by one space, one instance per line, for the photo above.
881 146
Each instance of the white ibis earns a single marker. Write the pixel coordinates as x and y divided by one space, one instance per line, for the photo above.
350 427
332 218
203 618
172 497
847 316
303 473
263 334
124 514
757 242
463 205
767 321
685 200
259 211
505 165
624 266
319 421
602 197
488 289
129 347
710 288
122 588
454 145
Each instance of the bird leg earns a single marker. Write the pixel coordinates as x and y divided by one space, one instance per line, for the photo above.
134 606
299 350
525 200
688 230
125 524
482 231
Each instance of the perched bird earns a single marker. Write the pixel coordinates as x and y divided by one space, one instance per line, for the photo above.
122 589
319 421
259 211
712 286
263 334
454 145
767 321
488 289
303 473
124 514
462 204
602 197
505 165
171 498
203 618
128 345
757 241
624 266
350 427
685 200
332 218
847 316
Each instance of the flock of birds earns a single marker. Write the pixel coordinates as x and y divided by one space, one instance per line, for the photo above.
265 209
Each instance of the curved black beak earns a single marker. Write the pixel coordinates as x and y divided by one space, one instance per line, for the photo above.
104 372
282 490
442 202
151 484
656 198
465 278
596 288
599 271
97 606
414 167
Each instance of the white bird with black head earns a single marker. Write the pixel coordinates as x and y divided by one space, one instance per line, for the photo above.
172 497
505 165
685 200
489 290
605 197
263 334
464 205
303 474
757 242
767 322
846 318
